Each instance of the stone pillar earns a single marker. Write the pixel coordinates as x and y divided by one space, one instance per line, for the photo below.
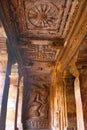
56 100
79 111
3 66
70 101
4 81
82 68
36 103
83 89
19 113
61 102
11 107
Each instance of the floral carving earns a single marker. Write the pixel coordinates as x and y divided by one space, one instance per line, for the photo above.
43 15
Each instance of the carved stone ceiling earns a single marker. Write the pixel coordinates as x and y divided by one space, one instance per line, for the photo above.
41 28
44 19
37 30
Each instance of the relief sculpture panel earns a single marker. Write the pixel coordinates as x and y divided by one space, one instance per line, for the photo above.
37 107
39 53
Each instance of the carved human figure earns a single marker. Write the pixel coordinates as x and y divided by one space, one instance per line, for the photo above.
38 102
43 99
33 105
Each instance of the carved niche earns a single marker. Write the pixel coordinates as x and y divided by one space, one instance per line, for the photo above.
36 107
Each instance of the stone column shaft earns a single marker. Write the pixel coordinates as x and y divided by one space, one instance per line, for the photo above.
83 89
70 101
36 105
82 68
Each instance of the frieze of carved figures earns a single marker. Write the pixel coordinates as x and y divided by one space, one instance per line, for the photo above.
37 109
39 53
40 56
38 48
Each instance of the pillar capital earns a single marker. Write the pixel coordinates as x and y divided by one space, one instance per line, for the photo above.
68 75
68 79
81 63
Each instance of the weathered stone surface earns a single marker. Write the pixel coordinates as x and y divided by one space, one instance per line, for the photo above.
36 100
70 99
37 31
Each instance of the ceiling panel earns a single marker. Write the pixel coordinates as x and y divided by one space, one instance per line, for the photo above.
41 18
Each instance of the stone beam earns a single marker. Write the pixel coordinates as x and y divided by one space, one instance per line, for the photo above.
78 33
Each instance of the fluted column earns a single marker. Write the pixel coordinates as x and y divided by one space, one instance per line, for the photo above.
70 101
